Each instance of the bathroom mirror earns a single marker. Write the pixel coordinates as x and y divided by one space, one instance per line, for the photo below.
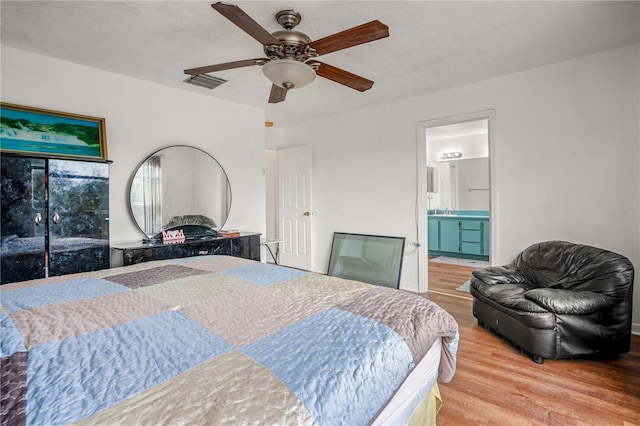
180 187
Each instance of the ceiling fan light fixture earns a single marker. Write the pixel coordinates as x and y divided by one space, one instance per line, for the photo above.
288 73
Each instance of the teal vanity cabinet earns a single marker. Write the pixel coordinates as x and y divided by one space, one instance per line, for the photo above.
459 234
450 235
471 236
485 238
433 230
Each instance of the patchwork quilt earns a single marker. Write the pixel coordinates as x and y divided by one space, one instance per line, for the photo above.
210 340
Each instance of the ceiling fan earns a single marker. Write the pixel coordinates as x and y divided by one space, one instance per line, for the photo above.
288 62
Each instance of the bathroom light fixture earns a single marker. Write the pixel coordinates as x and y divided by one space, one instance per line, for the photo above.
288 73
450 155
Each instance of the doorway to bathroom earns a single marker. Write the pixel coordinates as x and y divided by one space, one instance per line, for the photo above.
455 197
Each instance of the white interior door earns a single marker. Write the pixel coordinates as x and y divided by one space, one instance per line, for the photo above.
294 212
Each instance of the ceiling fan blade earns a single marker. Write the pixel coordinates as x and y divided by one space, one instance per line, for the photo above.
364 33
277 94
246 23
226 66
341 76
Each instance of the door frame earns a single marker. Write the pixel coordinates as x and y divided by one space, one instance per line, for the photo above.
421 202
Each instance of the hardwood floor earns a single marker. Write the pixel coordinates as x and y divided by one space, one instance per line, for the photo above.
496 385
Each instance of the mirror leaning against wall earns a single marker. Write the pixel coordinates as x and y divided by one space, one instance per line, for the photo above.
180 187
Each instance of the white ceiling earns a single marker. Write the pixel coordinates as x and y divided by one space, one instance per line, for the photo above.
432 45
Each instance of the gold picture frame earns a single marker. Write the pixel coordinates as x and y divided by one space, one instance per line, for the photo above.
46 133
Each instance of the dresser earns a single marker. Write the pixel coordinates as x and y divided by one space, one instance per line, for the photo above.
246 245
55 217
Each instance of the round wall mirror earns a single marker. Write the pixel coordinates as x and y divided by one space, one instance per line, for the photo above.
180 187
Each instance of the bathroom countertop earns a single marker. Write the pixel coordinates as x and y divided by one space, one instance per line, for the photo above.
461 214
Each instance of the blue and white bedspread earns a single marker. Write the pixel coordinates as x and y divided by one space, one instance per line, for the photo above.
210 340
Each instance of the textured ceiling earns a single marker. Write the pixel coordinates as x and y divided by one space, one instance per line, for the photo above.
432 45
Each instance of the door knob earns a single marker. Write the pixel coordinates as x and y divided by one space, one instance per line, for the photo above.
38 219
307 213
56 218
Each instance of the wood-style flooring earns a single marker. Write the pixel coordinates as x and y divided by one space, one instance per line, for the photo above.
496 385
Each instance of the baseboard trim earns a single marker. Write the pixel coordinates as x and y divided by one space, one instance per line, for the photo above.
635 329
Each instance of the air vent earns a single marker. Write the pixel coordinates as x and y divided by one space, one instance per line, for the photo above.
206 81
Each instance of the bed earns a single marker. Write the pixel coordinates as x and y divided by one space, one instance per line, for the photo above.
215 340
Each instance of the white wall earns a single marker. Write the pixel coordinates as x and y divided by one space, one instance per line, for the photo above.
471 146
473 183
271 192
565 160
141 118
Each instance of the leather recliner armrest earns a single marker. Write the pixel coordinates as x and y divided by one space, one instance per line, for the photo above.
499 275
569 302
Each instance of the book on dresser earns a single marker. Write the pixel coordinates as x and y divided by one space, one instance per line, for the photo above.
228 233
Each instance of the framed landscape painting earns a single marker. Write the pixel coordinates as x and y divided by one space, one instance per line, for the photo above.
44 133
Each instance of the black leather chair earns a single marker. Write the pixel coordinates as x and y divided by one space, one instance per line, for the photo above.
558 300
